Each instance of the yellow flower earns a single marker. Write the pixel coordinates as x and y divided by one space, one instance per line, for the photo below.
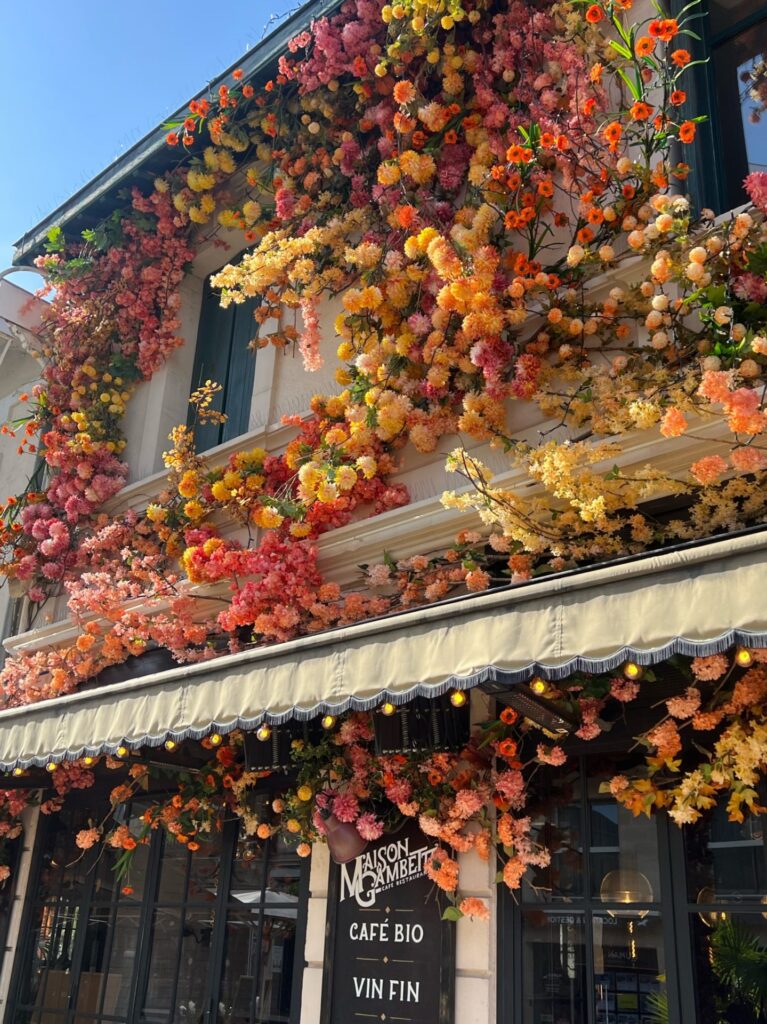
300 529
220 491
188 484
346 478
194 510
156 513
267 518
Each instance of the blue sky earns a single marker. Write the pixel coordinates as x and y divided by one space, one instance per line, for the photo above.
84 80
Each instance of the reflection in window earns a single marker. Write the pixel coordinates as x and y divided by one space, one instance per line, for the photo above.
738 44
553 968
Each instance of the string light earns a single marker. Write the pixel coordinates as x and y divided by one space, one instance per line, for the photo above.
264 732
744 657
457 698
88 760
539 686
328 721
50 767
170 744
387 709
122 751
632 671
216 739
17 772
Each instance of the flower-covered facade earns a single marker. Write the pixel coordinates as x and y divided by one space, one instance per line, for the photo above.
399 499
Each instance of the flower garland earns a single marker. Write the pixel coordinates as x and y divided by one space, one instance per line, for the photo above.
489 194
708 742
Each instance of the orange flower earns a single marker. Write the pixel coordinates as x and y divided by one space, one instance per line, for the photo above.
687 131
595 73
517 155
585 235
509 716
451 138
563 143
594 14
545 189
640 111
248 91
237 75
548 141
193 846
678 97
406 215
127 890
681 58
664 29
172 138
129 843
404 92
644 46
507 748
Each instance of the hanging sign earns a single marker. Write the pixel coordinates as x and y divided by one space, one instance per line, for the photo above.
390 955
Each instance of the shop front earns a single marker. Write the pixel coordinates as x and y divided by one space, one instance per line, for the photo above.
438 817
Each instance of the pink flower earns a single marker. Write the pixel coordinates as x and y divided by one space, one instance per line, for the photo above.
748 460
369 827
755 185
686 705
553 755
673 423
708 469
346 807
624 690
472 906
87 837
712 667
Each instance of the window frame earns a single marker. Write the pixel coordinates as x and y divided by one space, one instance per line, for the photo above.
85 905
674 905
708 182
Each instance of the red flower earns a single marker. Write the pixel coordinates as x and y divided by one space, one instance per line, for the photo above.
594 14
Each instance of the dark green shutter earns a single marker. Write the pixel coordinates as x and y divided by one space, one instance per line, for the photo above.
223 356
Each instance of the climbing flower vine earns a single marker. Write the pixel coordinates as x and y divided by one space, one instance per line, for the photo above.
490 196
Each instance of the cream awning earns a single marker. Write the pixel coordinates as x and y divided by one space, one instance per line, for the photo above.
698 600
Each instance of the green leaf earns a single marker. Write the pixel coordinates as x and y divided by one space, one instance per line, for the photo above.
451 914
633 88
54 240
621 49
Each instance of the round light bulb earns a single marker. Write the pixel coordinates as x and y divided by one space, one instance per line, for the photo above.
170 744
18 771
539 686
458 698
264 732
388 708
50 767
122 751
744 657
328 721
216 739
88 760
632 671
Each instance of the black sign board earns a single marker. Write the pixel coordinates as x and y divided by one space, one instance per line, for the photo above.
389 955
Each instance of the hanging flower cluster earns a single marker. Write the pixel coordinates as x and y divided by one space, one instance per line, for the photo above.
486 195
707 743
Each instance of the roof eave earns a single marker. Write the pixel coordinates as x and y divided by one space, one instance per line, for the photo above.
127 166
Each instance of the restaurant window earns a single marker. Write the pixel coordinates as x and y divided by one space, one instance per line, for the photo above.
733 92
223 355
635 921
205 937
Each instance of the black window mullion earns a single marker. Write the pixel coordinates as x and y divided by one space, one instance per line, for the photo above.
83 916
182 909
112 927
220 919
144 939
261 917
588 890
680 981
